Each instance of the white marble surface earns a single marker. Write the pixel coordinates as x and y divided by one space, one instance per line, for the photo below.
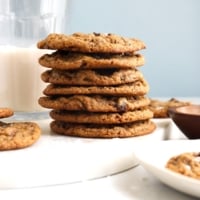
73 158
134 184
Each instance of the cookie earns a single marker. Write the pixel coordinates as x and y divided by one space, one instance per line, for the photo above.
103 131
98 77
92 43
74 60
132 89
18 135
94 103
187 164
101 118
160 107
6 112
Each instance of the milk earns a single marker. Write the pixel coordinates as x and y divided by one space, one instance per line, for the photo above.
20 82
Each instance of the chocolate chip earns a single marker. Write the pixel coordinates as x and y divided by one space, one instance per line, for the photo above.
97 34
122 104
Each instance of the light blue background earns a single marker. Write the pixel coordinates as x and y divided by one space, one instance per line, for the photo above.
170 29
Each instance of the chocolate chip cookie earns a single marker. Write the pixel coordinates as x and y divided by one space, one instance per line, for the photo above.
132 89
187 164
17 135
103 131
75 60
160 107
96 103
98 77
92 43
6 112
101 118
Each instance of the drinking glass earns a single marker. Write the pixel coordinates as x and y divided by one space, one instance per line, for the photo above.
23 23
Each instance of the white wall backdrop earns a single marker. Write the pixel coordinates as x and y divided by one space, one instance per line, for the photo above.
170 29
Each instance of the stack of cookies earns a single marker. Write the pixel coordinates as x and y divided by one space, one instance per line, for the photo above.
95 88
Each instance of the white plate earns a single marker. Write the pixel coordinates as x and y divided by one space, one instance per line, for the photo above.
154 156
56 159
162 121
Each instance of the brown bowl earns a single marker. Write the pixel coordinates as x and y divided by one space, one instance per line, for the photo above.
187 119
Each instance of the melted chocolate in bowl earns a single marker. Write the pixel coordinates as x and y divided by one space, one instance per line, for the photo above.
187 119
190 110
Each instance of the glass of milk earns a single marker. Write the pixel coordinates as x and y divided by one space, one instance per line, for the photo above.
23 23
